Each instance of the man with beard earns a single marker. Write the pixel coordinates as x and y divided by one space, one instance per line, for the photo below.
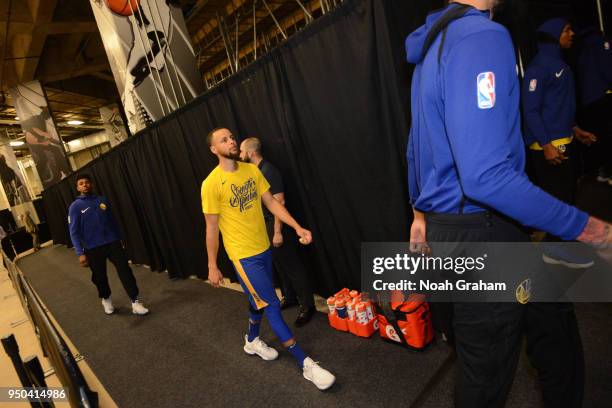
232 195
95 236
467 184
293 274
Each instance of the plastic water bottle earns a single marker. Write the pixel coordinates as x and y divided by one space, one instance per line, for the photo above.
361 313
331 304
365 298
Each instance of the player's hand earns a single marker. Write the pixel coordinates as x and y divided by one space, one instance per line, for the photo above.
277 239
215 276
83 261
418 233
304 234
584 137
553 155
598 234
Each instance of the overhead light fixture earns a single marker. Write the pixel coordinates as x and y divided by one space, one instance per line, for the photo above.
75 122
16 143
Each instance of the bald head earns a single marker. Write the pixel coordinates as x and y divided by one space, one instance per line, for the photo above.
250 150
252 144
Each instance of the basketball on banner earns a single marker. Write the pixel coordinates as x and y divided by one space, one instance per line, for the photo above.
150 54
122 7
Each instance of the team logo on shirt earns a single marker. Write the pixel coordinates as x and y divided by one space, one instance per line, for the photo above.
533 84
486 90
243 196
103 206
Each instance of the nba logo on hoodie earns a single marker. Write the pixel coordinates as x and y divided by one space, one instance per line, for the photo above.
486 90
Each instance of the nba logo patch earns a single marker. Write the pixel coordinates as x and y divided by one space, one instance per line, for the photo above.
486 90
533 84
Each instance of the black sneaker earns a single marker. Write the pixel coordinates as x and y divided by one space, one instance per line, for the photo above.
304 316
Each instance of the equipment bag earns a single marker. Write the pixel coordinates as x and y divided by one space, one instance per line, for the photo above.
407 323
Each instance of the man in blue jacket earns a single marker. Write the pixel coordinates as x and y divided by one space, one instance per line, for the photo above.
96 238
549 106
467 184
594 77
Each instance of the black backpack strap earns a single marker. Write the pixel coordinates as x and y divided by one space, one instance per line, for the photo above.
440 26
391 316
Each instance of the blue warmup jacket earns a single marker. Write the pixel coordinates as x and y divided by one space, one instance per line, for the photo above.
594 67
549 92
91 223
465 139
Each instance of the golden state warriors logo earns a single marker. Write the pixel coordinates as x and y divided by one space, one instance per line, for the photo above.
523 291
103 206
243 196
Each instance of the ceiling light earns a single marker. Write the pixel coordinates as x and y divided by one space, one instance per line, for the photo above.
16 143
75 122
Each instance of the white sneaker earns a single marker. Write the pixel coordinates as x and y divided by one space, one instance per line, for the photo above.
320 377
108 306
139 309
259 347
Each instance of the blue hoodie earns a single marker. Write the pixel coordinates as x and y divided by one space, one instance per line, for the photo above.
465 139
549 93
91 223
594 68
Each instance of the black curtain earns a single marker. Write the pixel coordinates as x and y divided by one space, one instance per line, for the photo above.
331 109
523 17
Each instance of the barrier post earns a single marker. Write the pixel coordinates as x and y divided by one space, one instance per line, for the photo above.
12 350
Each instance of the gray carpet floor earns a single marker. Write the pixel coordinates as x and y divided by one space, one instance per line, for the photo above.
188 351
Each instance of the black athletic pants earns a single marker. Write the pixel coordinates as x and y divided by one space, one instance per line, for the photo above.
559 180
554 348
553 340
97 263
295 283
488 335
